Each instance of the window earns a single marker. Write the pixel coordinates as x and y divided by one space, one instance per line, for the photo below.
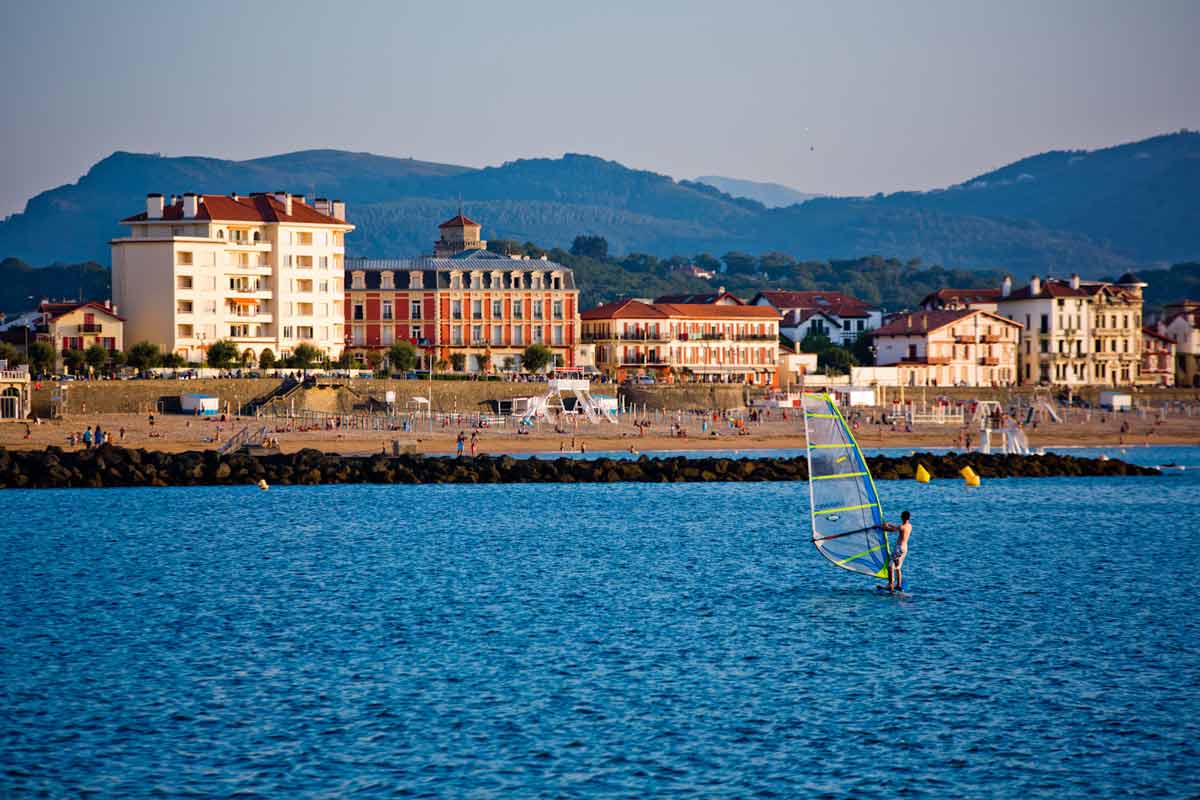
304 309
304 332
304 262
860 326
456 309
414 309
476 280
387 309
387 335
287 331
1045 323
305 286
497 334
456 334
302 238
358 280
358 311
416 279
558 334
387 280
537 309
557 309
518 309
455 280
183 331
184 258
518 335
476 309
476 334
239 330
324 287
537 334
497 309
846 325
324 262
415 333
358 335
183 282
181 307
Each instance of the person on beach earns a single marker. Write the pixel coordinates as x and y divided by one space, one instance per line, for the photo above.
474 443
896 565
87 437
460 442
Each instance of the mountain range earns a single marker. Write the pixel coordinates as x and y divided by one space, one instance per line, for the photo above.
771 195
1093 212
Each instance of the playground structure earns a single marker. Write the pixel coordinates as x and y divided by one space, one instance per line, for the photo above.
566 397
937 414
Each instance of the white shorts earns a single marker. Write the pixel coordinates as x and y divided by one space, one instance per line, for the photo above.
898 556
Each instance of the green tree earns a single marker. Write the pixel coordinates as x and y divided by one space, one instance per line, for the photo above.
458 361
374 359
835 360
305 355
11 354
815 342
74 360
172 360
403 356
345 360
590 246
863 350
707 261
96 356
738 263
266 359
41 357
247 358
536 357
221 354
117 359
144 355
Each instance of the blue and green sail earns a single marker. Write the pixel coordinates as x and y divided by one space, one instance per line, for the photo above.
847 517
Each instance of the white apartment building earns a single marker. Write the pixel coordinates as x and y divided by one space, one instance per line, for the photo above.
957 347
263 271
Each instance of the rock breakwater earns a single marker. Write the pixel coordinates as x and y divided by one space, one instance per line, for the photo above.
108 466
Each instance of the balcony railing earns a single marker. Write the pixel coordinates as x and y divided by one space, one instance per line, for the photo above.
91 327
937 360
990 361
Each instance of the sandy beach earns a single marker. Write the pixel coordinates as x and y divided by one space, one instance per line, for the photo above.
177 433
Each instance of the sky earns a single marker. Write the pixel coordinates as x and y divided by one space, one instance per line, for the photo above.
840 97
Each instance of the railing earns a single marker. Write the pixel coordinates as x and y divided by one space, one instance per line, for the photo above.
91 327
937 360
990 361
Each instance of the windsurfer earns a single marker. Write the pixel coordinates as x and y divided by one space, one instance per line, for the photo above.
896 565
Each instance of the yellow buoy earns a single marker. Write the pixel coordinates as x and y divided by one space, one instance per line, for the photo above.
923 475
262 484
969 475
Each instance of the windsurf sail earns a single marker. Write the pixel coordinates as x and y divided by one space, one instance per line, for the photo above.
847 517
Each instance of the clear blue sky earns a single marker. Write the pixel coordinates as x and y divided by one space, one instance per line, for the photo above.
837 97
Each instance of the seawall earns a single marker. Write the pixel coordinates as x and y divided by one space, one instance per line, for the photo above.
110 466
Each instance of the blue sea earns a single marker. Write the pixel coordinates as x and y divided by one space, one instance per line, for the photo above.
626 640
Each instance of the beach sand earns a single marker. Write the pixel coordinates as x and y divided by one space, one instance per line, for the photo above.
177 433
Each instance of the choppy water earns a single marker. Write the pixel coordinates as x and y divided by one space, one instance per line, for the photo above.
618 640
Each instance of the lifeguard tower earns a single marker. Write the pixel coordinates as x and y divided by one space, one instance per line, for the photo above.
567 397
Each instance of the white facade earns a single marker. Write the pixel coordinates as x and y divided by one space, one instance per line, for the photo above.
263 272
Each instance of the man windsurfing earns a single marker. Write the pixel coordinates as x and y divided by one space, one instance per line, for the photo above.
896 565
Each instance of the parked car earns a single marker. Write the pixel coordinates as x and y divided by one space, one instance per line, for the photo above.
644 379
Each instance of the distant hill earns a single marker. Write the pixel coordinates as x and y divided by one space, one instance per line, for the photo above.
22 287
1099 212
771 195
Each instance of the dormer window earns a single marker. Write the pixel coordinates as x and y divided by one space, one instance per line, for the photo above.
476 280
455 280
358 279
416 279
387 280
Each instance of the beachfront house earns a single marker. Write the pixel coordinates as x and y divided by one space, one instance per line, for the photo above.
263 272
703 342
15 397
1158 358
1181 322
962 347
838 316
482 306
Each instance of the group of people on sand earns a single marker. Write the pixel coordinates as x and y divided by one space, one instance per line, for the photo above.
461 441
94 437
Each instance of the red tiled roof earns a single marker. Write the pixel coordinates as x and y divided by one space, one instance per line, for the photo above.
458 222
255 208
56 310
710 297
623 308
920 322
983 295
836 303
1048 289
1156 335
799 316
636 309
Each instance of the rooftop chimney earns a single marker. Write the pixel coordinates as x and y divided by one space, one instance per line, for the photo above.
339 209
1074 280
908 321
191 204
1035 285
154 206
285 200
298 198
1006 286
235 195
321 205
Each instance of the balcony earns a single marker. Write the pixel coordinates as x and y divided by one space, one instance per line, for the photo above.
261 246
990 338
757 337
964 339
938 360
640 360
91 327
990 361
